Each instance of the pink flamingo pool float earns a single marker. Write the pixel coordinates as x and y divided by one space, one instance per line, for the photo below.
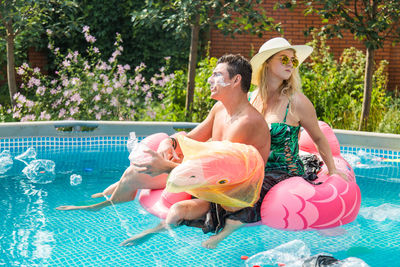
293 204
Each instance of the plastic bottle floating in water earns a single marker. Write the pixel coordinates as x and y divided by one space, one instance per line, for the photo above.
132 141
40 171
6 161
75 179
136 149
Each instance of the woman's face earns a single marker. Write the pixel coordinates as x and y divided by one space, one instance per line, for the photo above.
282 64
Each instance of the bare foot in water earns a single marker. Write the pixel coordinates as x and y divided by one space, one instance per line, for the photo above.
212 242
230 227
137 239
97 195
145 235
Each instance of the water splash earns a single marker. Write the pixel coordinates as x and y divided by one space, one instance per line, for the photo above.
123 222
26 157
40 171
381 213
6 161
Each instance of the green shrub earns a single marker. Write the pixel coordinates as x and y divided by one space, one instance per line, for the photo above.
173 106
390 122
335 87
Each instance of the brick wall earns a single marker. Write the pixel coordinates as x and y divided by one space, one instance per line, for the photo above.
37 59
294 23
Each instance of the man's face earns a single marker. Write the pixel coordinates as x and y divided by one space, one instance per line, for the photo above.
219 80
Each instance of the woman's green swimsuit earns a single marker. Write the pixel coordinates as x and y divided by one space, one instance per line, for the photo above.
284 155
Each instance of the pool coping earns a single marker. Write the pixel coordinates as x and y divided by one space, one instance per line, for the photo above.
79 128
368 139
144 128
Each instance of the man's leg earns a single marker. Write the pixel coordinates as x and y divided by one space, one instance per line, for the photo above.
184 210
230 227
125 189
145 235
106 192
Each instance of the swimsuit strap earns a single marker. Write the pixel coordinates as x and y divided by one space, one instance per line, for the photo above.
287 110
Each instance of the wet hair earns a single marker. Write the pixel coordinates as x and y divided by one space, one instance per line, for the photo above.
237 64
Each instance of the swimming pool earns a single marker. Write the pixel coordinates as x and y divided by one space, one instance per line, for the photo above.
34 233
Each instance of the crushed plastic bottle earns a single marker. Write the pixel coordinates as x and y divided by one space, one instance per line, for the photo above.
75 179
296 253
6 161
292 254
40 171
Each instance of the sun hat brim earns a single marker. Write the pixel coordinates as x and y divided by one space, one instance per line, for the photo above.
302 52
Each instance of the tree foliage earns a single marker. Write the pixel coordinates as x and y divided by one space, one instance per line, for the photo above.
230 17
372 22
146 42
24 19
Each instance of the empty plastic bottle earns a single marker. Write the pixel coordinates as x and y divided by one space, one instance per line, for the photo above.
75 179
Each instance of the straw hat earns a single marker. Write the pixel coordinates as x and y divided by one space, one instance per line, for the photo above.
273 46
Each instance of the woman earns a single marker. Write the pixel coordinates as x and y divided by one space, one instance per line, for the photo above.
285 108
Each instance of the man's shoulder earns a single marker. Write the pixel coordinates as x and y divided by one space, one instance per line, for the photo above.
253 114
253 118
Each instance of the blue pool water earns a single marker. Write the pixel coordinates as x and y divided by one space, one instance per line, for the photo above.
33 233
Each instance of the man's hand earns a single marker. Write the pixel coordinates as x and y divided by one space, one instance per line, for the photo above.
167 151
153 165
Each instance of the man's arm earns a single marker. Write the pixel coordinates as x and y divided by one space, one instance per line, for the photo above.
203 131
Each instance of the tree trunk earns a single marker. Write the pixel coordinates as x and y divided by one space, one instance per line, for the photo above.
192 68
369 69
12 84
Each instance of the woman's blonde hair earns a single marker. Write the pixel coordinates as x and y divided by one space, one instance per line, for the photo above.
288 87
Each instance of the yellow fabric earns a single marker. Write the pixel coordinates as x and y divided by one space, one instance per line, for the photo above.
230 174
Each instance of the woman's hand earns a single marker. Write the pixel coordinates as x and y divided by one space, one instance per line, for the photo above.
340 173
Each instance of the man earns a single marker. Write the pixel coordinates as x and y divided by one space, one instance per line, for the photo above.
232 118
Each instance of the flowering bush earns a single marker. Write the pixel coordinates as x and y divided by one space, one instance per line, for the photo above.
173 106
84 87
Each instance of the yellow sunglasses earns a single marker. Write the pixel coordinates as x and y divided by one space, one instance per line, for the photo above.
285 60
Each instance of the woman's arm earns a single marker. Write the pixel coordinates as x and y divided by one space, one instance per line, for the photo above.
309 121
